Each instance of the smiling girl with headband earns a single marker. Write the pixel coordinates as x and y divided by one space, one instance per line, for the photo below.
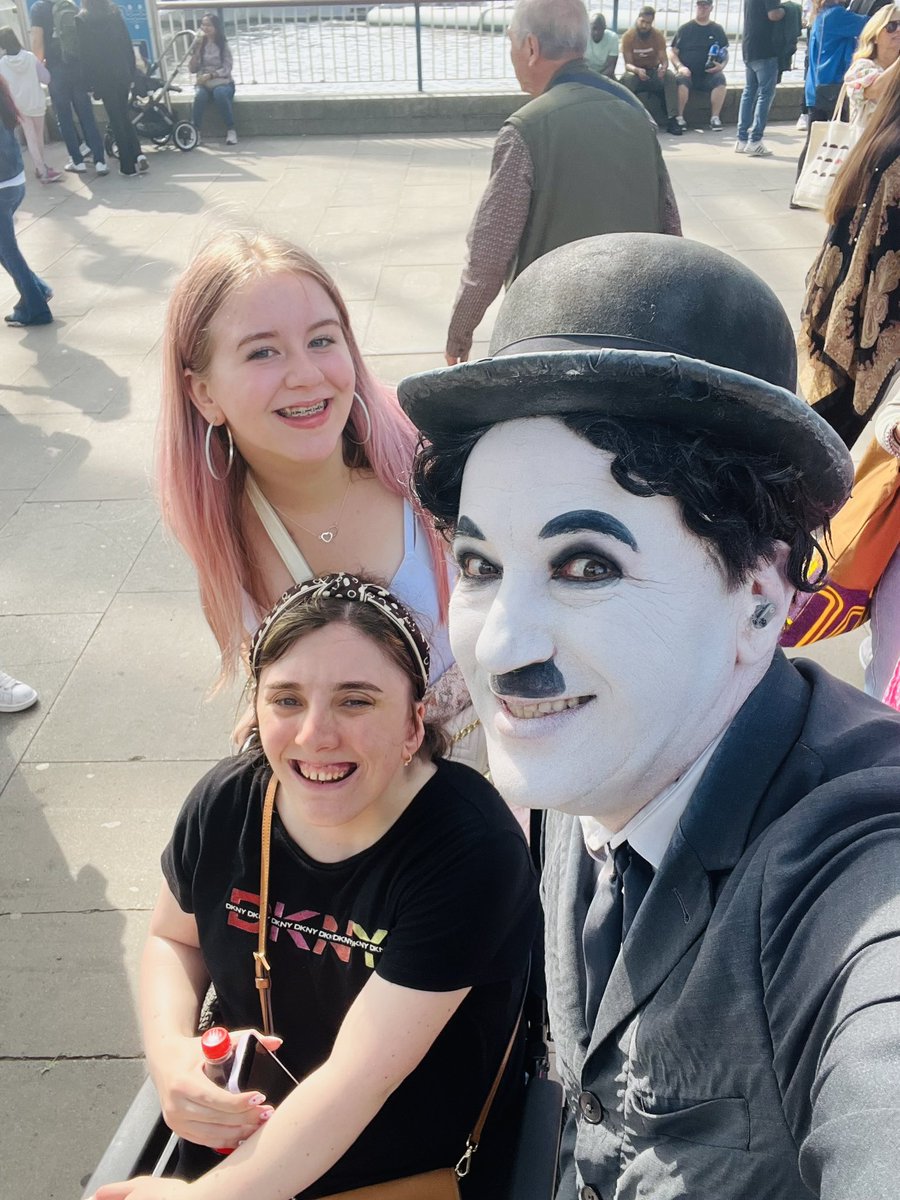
402 907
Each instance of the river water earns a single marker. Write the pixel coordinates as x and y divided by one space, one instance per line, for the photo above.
277 53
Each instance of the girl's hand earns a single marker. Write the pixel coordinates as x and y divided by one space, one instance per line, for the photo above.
143 1188
197 1109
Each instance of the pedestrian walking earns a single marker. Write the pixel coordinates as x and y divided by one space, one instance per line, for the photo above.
24 75
32 307
761 66
54 40
212 63
108 69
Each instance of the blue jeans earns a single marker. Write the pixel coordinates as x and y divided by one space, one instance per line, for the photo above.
222 95
67 93
32 307
756 98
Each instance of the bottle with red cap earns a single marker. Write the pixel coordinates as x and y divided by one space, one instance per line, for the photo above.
218 1051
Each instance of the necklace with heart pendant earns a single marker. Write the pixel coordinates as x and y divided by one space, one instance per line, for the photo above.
325 535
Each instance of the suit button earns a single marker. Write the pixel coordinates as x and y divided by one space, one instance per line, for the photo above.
591 1108
589 1193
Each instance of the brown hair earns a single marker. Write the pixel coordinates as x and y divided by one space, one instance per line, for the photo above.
318 611
880 142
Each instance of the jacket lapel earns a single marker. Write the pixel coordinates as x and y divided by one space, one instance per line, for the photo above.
711 837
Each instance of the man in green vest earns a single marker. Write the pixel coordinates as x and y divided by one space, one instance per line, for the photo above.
579 159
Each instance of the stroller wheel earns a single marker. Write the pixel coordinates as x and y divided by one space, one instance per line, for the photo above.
110 145
185 136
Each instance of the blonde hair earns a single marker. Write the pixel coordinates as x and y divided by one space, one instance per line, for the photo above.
868 37
206 515
880 141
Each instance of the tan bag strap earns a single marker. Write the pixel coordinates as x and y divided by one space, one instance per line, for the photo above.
264 980
465 1163
261 963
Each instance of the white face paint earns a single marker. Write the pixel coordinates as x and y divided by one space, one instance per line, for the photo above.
613 613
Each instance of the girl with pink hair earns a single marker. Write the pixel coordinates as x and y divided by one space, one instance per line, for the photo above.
280 457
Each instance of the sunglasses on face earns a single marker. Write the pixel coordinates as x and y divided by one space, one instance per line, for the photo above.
892 27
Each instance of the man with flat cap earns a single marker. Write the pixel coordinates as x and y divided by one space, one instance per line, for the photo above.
634 493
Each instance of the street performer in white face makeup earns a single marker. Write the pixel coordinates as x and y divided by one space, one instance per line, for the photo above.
634 494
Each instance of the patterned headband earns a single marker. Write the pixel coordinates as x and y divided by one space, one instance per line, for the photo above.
348 587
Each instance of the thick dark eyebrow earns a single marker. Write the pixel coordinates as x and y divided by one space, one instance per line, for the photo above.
468 528
581 519
351 685
271 333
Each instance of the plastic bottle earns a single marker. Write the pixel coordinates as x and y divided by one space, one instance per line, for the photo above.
218 1050
712 59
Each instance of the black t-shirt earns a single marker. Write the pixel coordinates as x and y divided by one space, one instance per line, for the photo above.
759 32
446 899
692 43
42 18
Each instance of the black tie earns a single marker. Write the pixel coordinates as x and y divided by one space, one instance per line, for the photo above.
622 885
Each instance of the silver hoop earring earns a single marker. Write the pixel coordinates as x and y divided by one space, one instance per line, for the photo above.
364 407
208 451
762 614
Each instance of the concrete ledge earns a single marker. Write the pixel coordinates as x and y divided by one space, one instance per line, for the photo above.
423 114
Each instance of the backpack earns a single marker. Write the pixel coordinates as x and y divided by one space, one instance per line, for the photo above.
65 31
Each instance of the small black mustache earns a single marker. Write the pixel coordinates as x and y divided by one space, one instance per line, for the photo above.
537 681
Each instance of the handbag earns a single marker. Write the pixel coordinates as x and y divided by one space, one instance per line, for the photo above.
829 144
442 1184
864 536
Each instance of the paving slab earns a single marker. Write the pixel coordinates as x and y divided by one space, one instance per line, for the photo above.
74 984
142 689
59 819
71 557
60 1122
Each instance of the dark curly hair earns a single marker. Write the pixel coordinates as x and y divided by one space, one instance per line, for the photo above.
741 502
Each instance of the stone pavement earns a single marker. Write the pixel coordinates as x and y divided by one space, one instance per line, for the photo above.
98 610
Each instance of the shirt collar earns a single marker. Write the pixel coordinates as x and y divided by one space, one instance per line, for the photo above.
650 830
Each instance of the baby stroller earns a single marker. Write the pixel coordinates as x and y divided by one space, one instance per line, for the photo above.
150 102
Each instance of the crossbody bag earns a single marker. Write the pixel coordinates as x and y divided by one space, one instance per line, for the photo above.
442 1184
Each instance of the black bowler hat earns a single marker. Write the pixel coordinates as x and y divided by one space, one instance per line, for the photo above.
641 325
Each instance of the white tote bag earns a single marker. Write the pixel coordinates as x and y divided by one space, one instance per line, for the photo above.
829 144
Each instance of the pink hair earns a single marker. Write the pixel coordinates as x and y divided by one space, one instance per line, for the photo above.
205 515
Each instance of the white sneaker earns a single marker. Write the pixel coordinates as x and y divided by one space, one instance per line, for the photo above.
740 147
85 151
803 122
715 122
15 696
231 138
102 168
78 168
142 164
758 150
682 123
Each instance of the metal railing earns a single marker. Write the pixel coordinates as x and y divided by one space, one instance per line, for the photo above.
331 48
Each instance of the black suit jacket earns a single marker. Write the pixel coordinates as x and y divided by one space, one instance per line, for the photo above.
748 1043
